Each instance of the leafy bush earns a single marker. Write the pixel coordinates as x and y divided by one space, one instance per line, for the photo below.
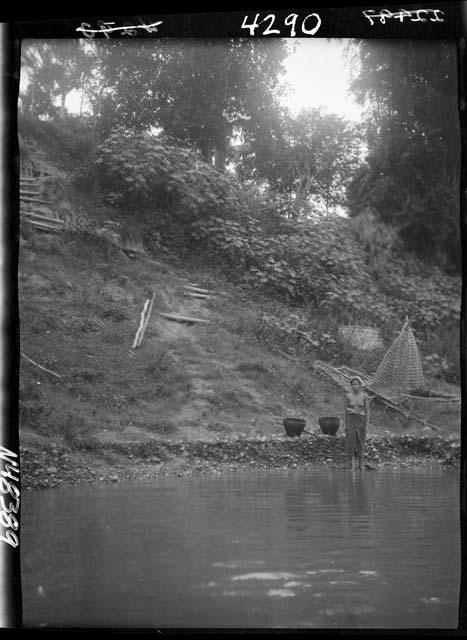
144 171
380 241
112 311
431 299
68 142
317 264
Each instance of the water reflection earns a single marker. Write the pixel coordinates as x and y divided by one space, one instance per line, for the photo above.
321 549
358 495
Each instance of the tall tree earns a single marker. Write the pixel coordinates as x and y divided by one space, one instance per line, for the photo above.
53 68
197 91
411 176
310 156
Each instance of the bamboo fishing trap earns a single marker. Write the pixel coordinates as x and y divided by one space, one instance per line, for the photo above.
400 370
398 379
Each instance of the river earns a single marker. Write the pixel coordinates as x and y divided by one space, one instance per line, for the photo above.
321 549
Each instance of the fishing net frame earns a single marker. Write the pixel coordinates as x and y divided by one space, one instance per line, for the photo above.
400 370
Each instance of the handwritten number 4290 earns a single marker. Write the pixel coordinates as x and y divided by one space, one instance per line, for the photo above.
290 21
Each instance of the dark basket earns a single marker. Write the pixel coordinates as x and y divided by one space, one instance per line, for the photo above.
294 426
329 426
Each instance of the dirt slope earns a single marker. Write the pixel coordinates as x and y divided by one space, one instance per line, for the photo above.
80 304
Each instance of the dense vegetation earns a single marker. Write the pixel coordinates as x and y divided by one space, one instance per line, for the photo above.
327 265
159 155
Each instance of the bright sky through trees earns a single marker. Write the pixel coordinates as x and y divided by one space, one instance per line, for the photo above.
319 76
317 73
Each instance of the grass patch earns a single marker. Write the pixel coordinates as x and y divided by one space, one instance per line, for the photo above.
218 427
167 378
69 423
231 399
255 370
163 427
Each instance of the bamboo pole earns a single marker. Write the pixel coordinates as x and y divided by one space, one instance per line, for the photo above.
148 315
141 323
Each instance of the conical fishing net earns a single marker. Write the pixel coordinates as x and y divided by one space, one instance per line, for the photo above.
400 371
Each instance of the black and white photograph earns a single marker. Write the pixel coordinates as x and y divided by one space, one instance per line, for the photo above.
239 290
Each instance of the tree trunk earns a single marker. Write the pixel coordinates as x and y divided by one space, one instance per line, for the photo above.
83 88
219 159
62 105
31 99
206 151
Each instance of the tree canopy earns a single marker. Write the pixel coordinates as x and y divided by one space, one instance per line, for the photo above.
198 91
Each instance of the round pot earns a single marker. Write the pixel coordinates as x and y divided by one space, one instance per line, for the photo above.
329 426
294 426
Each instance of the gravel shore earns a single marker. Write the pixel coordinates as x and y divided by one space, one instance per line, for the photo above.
56 465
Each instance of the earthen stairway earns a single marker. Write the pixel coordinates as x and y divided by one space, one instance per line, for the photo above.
35 210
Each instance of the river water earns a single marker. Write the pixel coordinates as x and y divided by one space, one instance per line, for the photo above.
321 549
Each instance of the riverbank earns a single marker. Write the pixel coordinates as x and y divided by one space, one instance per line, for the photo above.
51 465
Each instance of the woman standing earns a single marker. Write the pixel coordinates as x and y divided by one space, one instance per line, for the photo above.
357 418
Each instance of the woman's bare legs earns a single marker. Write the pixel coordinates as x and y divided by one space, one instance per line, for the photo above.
361 460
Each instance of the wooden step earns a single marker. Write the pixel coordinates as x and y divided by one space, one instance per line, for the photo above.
44 226
177 318
24 192
197 289
29 207
42 219
39 216
35 200
139 252
198 296
205 291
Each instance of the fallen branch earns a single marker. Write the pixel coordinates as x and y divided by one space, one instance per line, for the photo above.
177 318
39 366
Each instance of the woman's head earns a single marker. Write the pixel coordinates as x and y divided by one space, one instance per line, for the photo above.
356 383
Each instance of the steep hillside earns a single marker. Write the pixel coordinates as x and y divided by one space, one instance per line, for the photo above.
80 305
